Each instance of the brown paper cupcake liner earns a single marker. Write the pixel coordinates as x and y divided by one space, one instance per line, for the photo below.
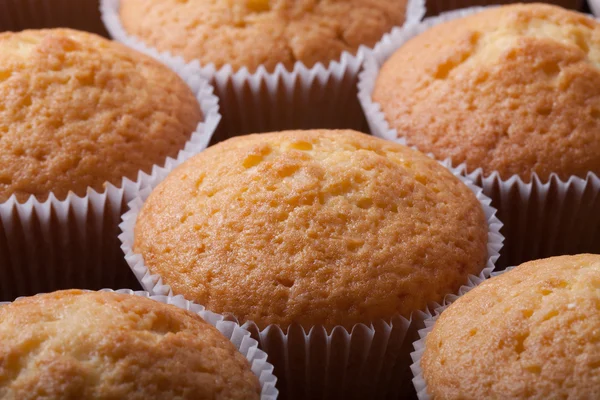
239 336
60 244
369 361
323 96
541 218
419 345
17 15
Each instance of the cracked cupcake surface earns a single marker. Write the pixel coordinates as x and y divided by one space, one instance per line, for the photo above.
514 89
312 227
533 332
250 33
101 345
77 111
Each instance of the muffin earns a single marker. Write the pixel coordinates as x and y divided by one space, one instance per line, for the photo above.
435 7
253 33
532 332
99 345
17 15
79 111
513 89
321 230
83 121
275 64
510 95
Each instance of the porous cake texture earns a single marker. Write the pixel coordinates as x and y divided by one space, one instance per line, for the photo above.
100 345
530 333
312 227
250 33
77 111
513 89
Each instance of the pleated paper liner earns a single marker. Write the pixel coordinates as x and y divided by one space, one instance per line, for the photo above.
240 337
541 218
419 345
323 96
84 15
60 244
369 361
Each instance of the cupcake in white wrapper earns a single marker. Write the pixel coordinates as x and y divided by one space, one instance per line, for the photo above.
543 291
275 96
17 15
324 360
63 240
545 211
158 320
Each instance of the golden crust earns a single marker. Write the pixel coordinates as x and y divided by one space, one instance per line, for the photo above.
250 33
312 227
77 111
99 345
531 333
514 89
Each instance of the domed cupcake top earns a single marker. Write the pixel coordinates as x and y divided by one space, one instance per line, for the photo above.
533 332
312 227
106 345
513 89
250 33
77 111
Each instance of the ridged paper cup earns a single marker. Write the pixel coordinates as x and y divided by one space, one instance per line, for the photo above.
17 15
435 7
61 244
323 96
541 218
240 337
368 361
419 345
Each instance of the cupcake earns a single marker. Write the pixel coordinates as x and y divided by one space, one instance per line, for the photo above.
276 64
532 332
17 15
335 233
82 122
100 345
510 95
435 7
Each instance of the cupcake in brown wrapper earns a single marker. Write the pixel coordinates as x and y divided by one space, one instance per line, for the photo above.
529 332
276 64
124 344
83 121
509 95
18 15
327 245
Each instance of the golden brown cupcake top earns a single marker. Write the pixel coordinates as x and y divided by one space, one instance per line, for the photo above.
533 332
99 345
514 89
312 227
77 110
250 33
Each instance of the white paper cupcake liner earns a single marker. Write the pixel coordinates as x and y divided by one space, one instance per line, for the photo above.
303 98
419 346
239 336
366 362
541 218
60 244
16 15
